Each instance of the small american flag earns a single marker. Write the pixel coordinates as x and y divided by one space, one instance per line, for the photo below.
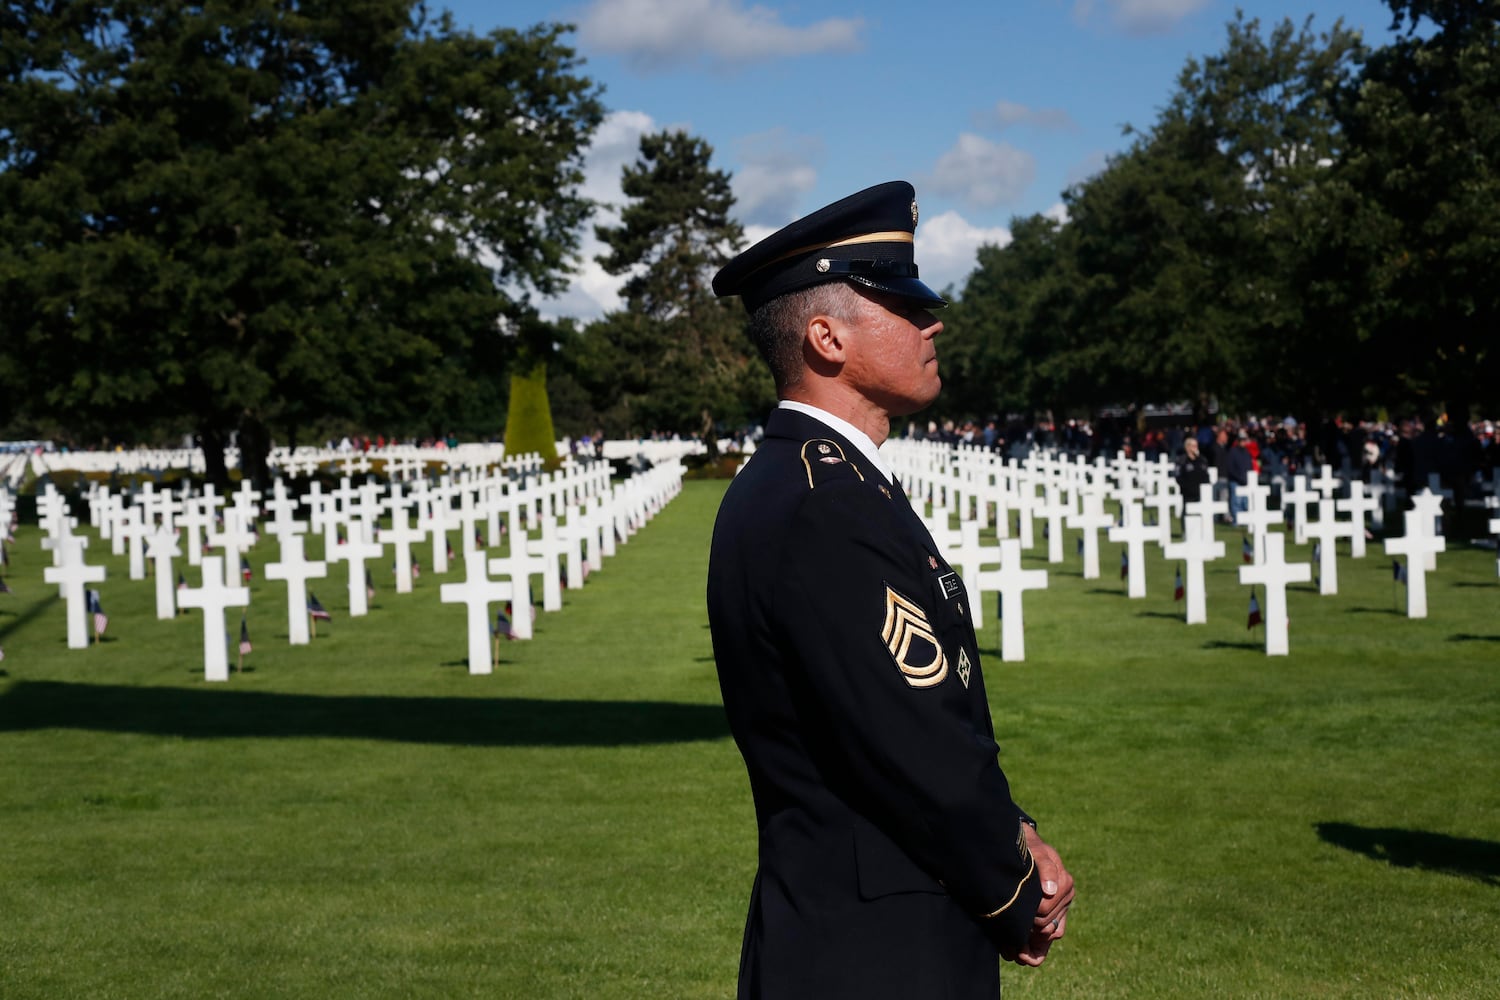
96 608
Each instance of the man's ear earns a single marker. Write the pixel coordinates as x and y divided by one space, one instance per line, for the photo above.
825 342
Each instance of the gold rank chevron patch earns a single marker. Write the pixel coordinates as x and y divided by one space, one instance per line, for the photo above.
913 645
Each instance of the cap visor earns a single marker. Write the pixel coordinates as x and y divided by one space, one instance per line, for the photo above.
906 288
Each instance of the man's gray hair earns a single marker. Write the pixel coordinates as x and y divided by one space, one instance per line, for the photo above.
777 327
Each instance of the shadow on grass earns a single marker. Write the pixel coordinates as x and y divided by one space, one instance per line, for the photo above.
199 714
1175 616
36 609
1374 611
1471 637
1485 584
1252 645
1106 590
1438 852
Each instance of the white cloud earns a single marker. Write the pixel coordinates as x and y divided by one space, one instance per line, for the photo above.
654 35
947 247
1140 17
617 142
1057 213
776 169
982 173
1004 114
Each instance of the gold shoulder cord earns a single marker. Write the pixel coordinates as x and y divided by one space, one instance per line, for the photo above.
831 444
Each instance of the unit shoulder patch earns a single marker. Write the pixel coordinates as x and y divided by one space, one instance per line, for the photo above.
914 646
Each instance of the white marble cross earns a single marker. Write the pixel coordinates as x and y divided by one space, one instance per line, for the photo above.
1427 507
550 549
1055 510
939 526
1011 581
1026 504
573 535
401 536
161 547
283 511
478 591
437 519
1419 544
1326 531
467 516
1206 507
1091 520
1135 533
1274 573
71 574
235 540
114 521
969 557
1259 515
1295 502
355 551
247 501
344 497
1326 482
1357 506
213 597
1198 547
516 566
296 570
134 527
197 514
322 515
1167 503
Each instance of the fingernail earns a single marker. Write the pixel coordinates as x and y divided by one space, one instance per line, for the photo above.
1049 888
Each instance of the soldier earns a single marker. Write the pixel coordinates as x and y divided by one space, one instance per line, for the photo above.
893 862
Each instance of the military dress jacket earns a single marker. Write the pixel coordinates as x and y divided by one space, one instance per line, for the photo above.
892 861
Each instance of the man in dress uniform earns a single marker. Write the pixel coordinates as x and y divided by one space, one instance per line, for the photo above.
893 862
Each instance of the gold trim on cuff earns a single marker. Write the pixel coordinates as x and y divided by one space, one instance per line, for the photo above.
1017 895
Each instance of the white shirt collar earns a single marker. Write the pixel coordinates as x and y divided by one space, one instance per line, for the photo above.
853 434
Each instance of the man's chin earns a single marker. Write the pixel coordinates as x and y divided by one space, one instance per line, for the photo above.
906 408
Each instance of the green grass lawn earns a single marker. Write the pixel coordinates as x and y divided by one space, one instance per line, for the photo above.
361 818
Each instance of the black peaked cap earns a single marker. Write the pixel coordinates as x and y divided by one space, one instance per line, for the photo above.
865 238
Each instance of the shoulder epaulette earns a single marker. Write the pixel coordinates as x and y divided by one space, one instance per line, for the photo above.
825 462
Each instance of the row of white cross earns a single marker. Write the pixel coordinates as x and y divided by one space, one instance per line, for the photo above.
976 486
395 462
577 515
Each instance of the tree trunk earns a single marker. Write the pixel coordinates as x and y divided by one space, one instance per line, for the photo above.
255 447
707 435
212 443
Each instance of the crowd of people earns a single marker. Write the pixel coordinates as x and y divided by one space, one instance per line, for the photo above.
1407 452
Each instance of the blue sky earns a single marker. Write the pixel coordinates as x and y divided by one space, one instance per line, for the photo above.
990 108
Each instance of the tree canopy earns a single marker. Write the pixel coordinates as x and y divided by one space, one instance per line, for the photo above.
227 214
675 358
1309 226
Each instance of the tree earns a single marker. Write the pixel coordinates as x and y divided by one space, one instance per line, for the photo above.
1005 336
1184 271
224 215
1420 190
528 421
676 358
